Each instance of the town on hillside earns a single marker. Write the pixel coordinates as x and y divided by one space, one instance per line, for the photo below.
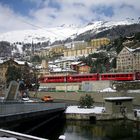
73 62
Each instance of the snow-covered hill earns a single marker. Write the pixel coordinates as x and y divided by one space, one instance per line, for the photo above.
59 33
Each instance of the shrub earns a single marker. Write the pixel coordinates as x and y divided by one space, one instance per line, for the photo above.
86 101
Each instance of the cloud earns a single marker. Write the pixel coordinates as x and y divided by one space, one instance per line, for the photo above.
48 13
82 11
11 20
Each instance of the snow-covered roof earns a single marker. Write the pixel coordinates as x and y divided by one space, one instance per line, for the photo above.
38 66
76 63
52 66
133 50
57 70
22 62
1 61
62 70
63 60
129 49
118 98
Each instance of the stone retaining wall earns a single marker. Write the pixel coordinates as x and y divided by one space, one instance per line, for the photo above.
98 97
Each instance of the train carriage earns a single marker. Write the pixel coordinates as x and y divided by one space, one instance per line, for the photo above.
130 76
53 79
118 76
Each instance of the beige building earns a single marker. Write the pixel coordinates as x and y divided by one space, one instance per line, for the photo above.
73 49
64 63
57 50
76 44
99 42
50 51
44 68
128 60
83 48
43 52
73 52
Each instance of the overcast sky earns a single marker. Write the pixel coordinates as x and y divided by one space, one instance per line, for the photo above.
26 14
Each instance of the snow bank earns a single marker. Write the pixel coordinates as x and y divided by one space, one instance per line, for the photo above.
108 90
75 109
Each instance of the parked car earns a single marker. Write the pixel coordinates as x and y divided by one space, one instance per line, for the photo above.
27 99
47 98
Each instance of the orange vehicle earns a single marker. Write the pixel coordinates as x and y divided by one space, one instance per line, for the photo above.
47 98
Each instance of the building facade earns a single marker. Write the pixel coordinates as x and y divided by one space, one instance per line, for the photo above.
64 63
99 42
77 52
128 60
4 66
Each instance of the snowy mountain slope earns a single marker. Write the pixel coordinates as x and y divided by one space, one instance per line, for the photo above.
58 33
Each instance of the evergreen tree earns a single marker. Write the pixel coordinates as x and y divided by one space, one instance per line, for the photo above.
86 101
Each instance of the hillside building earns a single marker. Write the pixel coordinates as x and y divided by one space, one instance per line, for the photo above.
76 44
80 67
128 60
55 50
4 66
63 63
99 42
77 52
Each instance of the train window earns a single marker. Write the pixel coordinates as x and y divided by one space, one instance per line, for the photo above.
70 77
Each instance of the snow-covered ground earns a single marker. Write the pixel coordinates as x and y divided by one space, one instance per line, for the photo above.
75 109
134 91
58 33
108 90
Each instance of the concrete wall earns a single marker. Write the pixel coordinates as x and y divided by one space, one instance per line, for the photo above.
87 86
95 85
109 107
67 88
98 97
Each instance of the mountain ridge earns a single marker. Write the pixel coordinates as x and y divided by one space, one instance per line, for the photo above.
60 33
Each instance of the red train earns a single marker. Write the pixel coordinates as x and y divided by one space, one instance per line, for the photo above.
91 77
